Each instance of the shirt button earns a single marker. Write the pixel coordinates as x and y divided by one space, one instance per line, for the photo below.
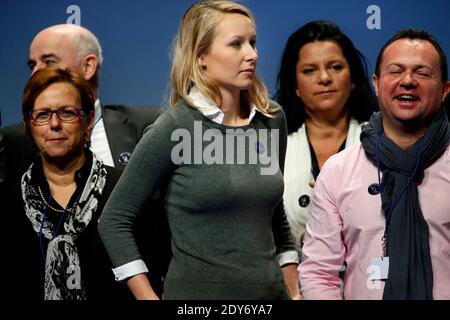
304 200
374 189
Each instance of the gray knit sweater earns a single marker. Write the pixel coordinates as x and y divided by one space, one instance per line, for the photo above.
225 211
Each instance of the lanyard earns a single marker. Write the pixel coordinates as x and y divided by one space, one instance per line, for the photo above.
402 192
55 233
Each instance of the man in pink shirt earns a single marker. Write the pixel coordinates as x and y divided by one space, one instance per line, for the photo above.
382 207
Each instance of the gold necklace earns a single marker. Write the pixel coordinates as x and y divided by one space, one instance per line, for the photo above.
47 204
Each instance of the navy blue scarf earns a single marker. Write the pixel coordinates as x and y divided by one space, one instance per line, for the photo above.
410 269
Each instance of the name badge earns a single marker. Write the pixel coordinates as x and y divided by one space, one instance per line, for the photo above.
379 268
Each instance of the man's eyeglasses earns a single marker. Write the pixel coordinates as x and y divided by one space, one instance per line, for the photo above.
65 114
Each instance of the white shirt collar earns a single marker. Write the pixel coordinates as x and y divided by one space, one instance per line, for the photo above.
98 109
99 140
209 109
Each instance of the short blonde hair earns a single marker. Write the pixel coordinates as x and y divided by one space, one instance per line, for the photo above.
195 36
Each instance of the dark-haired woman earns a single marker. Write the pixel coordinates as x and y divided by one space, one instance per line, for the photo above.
325 93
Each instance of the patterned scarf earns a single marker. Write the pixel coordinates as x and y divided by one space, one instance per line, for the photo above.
62 263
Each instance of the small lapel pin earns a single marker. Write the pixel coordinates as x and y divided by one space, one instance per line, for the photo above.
260 147
124 158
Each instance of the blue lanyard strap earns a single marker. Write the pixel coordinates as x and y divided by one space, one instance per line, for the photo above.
55 233
402 192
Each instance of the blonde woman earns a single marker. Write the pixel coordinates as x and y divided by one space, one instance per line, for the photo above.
214 156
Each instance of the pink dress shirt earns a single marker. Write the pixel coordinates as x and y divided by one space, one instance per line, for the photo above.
346 226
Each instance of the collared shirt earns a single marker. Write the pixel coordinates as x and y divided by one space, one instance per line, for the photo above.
81 176
346 226
211 110
99 139
38 180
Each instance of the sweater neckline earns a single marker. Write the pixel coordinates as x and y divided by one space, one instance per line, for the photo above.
197 115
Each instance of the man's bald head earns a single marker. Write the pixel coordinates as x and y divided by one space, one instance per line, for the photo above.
67 46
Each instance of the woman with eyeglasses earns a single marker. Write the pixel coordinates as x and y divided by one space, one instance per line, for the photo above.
59 253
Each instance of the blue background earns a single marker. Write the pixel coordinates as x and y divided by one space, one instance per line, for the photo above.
136 37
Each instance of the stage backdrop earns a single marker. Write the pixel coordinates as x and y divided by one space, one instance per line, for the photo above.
136 37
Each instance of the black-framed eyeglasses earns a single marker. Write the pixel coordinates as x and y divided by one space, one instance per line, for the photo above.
65 114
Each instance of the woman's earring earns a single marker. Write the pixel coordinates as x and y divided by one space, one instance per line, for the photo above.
87 141
203 67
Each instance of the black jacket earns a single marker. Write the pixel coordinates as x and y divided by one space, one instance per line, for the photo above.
124 127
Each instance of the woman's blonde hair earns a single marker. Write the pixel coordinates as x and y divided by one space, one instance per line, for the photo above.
195 36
